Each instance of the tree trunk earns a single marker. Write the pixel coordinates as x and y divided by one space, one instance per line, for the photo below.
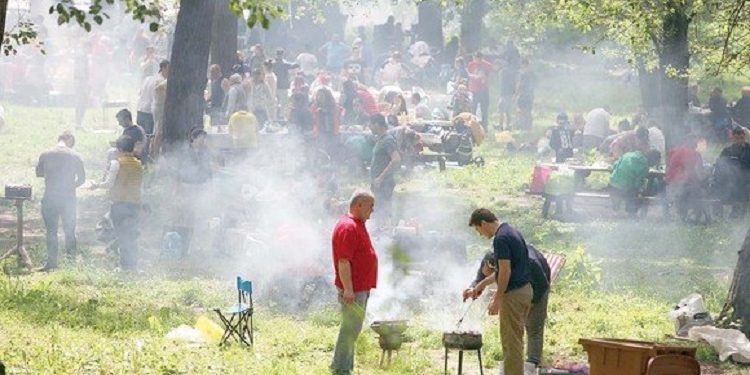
430 23
3 11
740 292
472 16
224 37
674 61
184 105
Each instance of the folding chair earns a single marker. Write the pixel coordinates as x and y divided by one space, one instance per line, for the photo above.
238 319
556 263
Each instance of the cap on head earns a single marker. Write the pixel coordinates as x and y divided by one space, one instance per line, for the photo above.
163 64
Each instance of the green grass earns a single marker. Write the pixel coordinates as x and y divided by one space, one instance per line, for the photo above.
621 279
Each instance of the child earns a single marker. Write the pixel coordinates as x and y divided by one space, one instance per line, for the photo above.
561 139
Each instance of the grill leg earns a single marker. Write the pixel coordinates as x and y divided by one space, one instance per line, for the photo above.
445 371
479 354
389 357
460 362
382 357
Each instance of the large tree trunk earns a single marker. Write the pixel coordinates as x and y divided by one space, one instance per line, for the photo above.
740 289
472 16
430 23
3 10
224 37
184 105
674 61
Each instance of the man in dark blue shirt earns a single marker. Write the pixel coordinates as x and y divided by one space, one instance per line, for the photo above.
540 281
512 301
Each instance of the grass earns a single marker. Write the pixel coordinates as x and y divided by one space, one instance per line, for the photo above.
621 279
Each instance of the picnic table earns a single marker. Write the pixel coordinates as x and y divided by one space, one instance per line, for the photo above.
580 173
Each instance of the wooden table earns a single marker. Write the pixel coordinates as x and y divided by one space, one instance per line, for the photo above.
23 257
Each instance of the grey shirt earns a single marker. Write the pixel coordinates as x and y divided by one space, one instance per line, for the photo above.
381 155
63 172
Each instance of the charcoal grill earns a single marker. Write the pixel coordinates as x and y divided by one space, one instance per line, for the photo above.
391 334
462 341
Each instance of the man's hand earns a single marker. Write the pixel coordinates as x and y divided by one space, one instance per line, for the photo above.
468 293
494 306
347 296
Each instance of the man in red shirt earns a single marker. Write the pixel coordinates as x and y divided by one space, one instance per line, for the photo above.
683 176
479 74
356 265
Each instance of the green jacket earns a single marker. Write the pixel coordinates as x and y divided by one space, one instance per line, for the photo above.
629 171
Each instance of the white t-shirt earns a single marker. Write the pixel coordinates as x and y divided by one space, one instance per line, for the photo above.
148 92
307 63
656 141
597 123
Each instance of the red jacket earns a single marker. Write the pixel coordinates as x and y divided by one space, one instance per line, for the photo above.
368 101
351 241
683 165
480 68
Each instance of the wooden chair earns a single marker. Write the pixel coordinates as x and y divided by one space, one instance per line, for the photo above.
673 364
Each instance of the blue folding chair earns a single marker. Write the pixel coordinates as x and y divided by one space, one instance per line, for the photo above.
238 319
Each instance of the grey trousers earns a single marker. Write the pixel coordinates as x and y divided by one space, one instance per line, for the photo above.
352 318
535 330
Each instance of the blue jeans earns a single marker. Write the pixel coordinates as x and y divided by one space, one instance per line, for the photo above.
124 217
352 318
55 210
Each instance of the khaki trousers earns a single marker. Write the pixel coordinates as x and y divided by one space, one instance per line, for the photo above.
514 311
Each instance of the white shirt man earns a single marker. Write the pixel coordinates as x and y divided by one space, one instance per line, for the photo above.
596 128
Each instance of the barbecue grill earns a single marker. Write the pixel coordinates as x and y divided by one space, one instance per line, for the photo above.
391 336
461 341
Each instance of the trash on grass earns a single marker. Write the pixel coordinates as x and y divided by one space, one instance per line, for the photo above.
690 312
728 342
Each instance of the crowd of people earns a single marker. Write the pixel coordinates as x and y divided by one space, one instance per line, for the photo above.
345 87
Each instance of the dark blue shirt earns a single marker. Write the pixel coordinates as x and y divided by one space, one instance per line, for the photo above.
539 273
509 244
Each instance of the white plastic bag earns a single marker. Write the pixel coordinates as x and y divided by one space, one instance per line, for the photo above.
690 312
728 342
187 334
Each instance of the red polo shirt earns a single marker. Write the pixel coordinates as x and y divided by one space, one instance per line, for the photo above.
352 242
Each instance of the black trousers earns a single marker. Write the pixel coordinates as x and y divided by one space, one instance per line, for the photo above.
55 210
482 99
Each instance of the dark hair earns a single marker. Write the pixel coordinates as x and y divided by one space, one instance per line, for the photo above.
125 113
478 54
125 144
481 214
642 133
624 125
379 120
489 257
653 157
67 137
416 96
738 130
195 133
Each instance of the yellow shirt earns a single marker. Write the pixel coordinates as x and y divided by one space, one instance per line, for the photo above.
243 127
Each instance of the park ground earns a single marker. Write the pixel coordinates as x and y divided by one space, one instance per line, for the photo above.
621 279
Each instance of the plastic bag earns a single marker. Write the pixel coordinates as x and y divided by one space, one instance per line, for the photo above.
210 330
187 334
690 312
728 342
